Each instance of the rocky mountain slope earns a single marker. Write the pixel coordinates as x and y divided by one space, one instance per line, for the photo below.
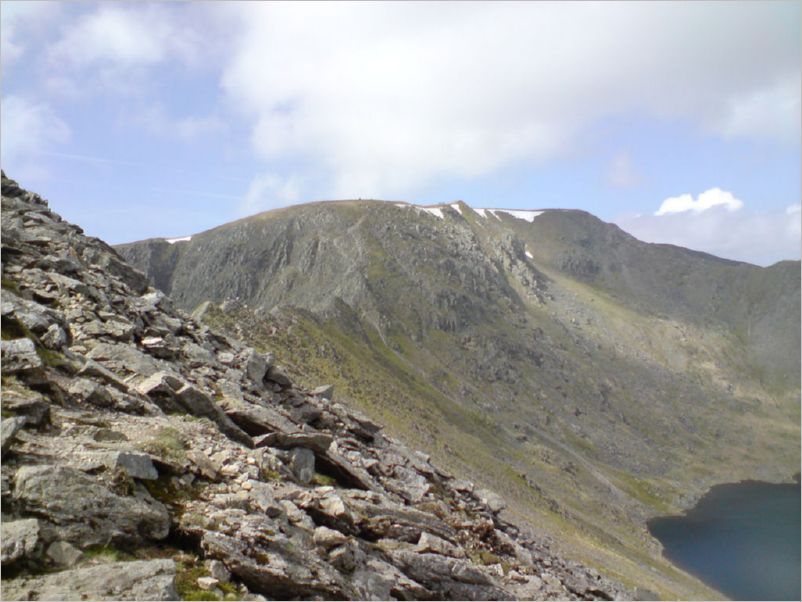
145 456
591 379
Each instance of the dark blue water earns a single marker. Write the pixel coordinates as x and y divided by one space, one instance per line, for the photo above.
742 539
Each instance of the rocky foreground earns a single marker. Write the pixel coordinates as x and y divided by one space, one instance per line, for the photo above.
145 456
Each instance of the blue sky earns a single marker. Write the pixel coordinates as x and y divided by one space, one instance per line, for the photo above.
141 120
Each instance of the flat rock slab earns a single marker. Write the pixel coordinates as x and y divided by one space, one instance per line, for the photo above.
317 442
19 539
137 580
20 355
80 510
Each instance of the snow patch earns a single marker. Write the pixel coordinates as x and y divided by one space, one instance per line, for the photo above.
172 241
456 207
529 255
435 211
526 215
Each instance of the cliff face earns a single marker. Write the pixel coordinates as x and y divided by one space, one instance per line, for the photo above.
592 379
146 456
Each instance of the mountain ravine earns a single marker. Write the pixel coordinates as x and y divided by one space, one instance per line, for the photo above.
591 379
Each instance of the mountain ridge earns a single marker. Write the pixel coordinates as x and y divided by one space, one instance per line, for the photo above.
148 457
578 353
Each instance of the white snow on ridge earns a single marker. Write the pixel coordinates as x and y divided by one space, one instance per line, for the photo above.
172 241
528 216
529 255
435 211
456 207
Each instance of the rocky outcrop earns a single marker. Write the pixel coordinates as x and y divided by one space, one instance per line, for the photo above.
161 459
139 580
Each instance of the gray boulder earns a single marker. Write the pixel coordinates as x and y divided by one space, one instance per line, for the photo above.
302 464
255 366
63 554
78 509
137 580
324 391
19 355
19 539
10 426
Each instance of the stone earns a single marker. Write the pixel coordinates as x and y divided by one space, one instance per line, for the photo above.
119 329
318 442
277 375
63 553
494 502
324 392
255 366
136 465
437 545
94 369
203 465
10 427
256 420
207 583
109 435
261 498
81 511
19 539
333 506
449 577
90 392
302 464
136 580
328 538
219 571
414 486
122 358
35 409
197 356
54 337
199 404
343 558
160 383
276 569
19 355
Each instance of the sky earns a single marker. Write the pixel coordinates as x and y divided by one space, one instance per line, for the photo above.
678 121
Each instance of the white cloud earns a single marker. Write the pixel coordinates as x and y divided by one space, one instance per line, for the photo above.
268 191
389 97
759 237
621 173
18 22
715 197
29 127
772 112
123 37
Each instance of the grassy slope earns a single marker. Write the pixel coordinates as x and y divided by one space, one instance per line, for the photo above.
370 375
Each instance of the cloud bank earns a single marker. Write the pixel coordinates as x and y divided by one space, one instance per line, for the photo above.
389 97
717 223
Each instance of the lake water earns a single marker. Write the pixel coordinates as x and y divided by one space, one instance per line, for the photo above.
743 539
